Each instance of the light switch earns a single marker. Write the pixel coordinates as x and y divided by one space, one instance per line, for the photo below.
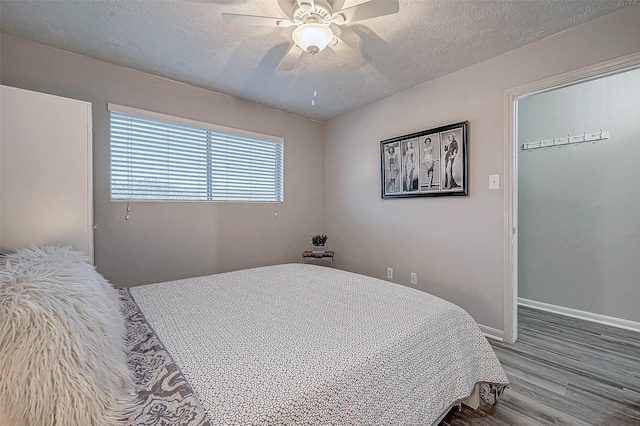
494 181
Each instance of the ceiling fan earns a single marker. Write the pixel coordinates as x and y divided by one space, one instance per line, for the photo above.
313 33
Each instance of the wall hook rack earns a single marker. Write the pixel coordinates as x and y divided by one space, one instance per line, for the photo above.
569 140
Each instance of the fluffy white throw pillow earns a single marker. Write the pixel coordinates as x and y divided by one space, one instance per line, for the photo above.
62 351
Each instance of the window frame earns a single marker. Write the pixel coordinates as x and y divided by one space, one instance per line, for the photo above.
111 107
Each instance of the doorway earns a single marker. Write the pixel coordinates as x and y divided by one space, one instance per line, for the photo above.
565 211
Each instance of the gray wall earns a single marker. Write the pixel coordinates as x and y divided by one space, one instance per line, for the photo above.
169 240
454 244
579 206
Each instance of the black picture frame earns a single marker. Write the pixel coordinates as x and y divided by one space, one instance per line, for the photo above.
429 163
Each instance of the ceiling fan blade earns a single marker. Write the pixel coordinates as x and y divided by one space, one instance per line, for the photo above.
290 58
367 10
232 18
347 54
305 4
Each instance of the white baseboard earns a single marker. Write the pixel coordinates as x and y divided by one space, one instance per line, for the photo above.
583 315
492 333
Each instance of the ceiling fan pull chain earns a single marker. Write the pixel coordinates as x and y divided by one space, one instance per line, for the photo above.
315 80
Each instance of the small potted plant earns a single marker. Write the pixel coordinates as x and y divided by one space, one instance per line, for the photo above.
318 242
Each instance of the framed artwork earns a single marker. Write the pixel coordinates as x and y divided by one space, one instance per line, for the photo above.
430 163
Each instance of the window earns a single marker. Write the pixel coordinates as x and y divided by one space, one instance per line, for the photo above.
158 157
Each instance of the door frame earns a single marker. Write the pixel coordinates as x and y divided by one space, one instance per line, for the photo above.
603 69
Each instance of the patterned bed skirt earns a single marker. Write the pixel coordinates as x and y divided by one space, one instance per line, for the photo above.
164 396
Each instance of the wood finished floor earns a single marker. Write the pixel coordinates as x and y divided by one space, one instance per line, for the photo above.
563 371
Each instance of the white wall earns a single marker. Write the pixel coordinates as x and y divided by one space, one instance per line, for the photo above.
579 239
454 244
165 241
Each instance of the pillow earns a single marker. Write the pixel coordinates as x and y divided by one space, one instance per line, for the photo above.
62 350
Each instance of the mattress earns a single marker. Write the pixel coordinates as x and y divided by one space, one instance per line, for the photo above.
304 344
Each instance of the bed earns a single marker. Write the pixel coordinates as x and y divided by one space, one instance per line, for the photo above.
301 344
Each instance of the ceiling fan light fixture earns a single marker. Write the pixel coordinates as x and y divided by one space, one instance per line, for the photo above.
312 37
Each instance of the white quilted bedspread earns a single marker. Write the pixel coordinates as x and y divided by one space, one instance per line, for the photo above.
304 344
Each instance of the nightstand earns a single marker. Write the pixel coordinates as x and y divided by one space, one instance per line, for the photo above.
308 254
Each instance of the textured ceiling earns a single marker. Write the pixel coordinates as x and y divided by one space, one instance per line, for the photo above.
188 42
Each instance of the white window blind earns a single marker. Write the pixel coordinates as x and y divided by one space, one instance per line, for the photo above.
158 159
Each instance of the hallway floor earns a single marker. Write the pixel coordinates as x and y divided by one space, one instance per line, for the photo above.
564 371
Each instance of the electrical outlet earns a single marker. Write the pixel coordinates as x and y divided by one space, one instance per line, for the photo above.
414 278
390 273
